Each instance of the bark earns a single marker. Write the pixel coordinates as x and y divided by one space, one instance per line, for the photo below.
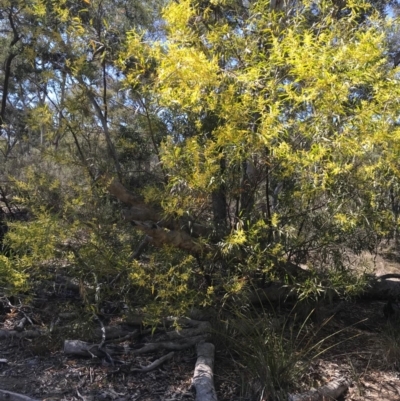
203 378
195 329
103 120
10 396
140 211
219 205
23 334
219 211
247 189
171 345
388 276
161 236
141 248
121 193
7 67
331 391
82 348
384 287
158 362
173 340
21 324
150 221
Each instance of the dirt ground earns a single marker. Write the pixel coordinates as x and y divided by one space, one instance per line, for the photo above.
365 351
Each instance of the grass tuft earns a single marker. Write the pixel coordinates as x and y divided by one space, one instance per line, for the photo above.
272 353
391 343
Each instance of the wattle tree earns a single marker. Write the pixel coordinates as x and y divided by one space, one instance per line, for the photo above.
248 140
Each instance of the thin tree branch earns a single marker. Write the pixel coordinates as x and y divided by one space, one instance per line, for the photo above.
7 68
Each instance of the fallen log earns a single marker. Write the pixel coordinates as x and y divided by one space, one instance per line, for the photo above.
383 287
21 324
331 391
203 378
82 348
10 396
20 334
196 328
171 345
154 364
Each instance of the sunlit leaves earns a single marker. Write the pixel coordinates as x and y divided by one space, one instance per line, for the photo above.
318 97
167 280
186 77
290 119
178 14
12 277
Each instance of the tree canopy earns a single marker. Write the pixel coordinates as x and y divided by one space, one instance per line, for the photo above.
240 138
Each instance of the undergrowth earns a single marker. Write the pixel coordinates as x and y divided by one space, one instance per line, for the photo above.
390 343
272 353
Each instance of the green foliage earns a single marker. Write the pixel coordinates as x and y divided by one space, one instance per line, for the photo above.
13 276
303 119
275 130
70 231
330 284
170 282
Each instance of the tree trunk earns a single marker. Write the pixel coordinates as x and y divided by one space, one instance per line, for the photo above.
331 391
219 205
150 221
203 378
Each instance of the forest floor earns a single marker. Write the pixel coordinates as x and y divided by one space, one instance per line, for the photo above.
365 350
